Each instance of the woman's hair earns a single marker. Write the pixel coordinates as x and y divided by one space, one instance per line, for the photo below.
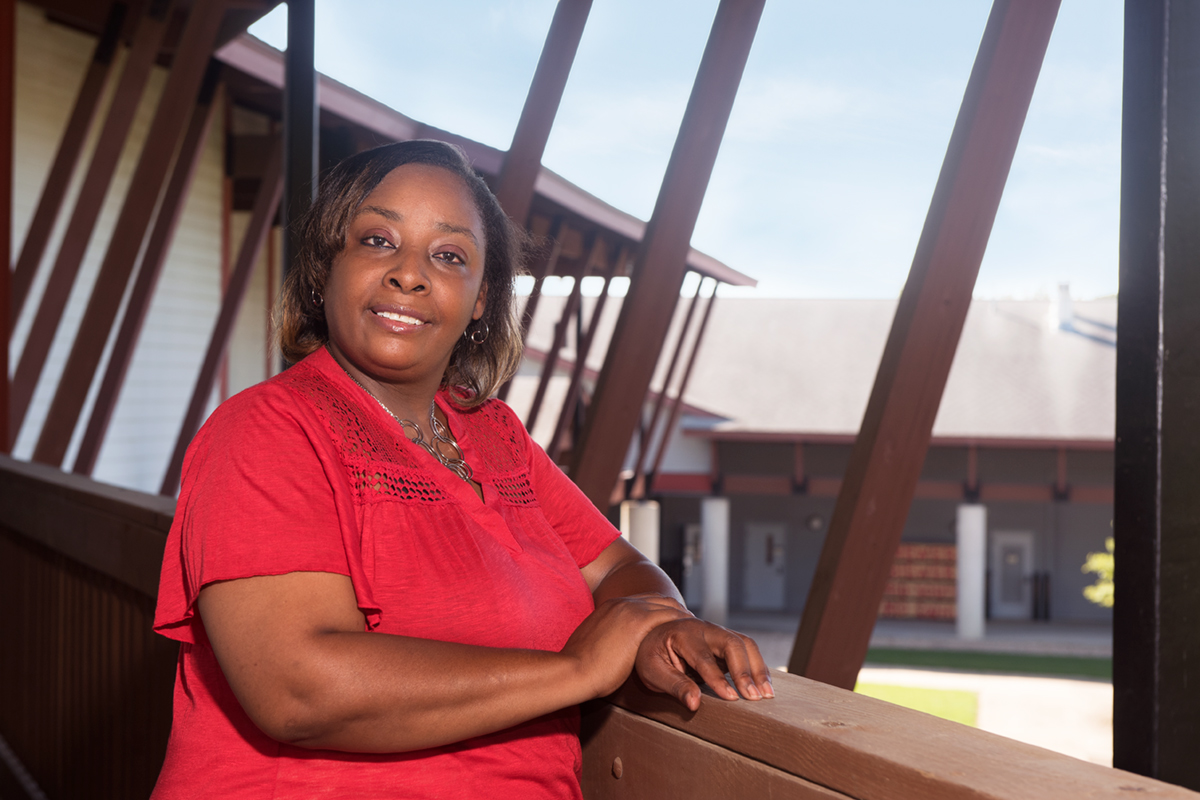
475 370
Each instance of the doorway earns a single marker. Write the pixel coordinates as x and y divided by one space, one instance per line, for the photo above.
1012 575
765 556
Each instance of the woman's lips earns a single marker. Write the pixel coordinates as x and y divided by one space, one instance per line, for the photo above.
401 318
398 320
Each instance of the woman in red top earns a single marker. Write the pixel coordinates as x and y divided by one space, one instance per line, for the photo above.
381 586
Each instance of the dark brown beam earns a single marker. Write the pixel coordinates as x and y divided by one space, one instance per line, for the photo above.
300 123
662 260
523 161
571 401
639 468
1156 636
8 40
257 231
70 147
570 308
885 462
90 200
677 406
138 306
129 233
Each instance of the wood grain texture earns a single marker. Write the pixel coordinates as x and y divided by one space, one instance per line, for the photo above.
659 762
872 750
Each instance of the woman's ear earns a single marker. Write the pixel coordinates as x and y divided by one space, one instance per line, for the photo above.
480 302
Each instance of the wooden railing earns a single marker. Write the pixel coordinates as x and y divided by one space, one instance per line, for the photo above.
85 690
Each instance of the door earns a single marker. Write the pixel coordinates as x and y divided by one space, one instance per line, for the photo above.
1012 575
763 566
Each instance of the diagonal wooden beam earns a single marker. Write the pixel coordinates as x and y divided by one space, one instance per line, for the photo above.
543 267
1156 638
70 147
571 401
570 308
155 256
129 232
677 405
886 459
514 189
265 206
662 260
639 467
105 157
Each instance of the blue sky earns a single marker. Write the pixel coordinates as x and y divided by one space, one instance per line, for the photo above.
834 144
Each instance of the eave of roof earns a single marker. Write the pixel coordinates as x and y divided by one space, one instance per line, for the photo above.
259 60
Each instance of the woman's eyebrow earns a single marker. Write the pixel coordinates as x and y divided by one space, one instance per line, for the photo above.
392 216
448 228
386 213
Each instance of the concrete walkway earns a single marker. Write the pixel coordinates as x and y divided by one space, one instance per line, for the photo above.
1068 716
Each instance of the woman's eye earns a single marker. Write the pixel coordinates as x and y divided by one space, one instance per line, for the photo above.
375 240
450 258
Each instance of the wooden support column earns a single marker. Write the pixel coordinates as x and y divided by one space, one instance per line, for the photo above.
70 147
545 266
89 202
662 260
639 468
162 140
523 161
257 230
1156 509
581 353
677 406
885 462
165 224
300 123
570 308
8 42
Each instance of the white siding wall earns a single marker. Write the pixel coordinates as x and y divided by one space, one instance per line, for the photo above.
51 60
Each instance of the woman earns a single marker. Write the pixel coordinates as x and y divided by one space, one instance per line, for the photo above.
381 586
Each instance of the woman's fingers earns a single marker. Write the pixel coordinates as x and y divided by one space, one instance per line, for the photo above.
709 650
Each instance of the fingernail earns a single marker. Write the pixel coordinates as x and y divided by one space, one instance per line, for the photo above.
752 693
768 690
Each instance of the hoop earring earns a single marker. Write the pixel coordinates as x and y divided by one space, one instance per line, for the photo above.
317 299
478 336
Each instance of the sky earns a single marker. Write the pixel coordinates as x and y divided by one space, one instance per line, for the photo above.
834 143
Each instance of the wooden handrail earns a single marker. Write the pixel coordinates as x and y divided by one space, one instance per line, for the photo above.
118 532
815 740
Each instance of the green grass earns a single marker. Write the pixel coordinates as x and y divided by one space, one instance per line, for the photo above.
1066 666
954 705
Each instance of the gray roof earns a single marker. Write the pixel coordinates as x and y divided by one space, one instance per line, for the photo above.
806 367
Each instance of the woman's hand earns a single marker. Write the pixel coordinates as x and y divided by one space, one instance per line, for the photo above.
710 650
605 644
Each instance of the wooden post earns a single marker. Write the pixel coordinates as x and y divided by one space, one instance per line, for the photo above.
543 267
190 153
300 123
677 406
8 41
105 157
523 161
257 230
886 459
662 260
639 467
137 212
1156 619
581 353
67 157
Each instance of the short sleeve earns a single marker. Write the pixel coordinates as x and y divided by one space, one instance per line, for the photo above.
263 493
585 531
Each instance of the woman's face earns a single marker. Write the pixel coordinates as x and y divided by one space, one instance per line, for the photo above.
410 278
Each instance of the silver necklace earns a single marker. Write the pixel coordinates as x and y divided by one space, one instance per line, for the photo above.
441 435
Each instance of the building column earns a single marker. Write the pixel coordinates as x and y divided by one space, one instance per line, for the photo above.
714 558
971 573
640 525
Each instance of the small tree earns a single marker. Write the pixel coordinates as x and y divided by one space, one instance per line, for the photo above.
1101 592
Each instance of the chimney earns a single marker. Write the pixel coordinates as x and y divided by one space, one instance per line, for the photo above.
1062 313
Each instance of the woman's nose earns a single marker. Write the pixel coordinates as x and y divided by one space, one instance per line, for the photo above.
408 272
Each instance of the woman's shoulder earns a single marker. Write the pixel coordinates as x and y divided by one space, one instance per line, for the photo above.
276 399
